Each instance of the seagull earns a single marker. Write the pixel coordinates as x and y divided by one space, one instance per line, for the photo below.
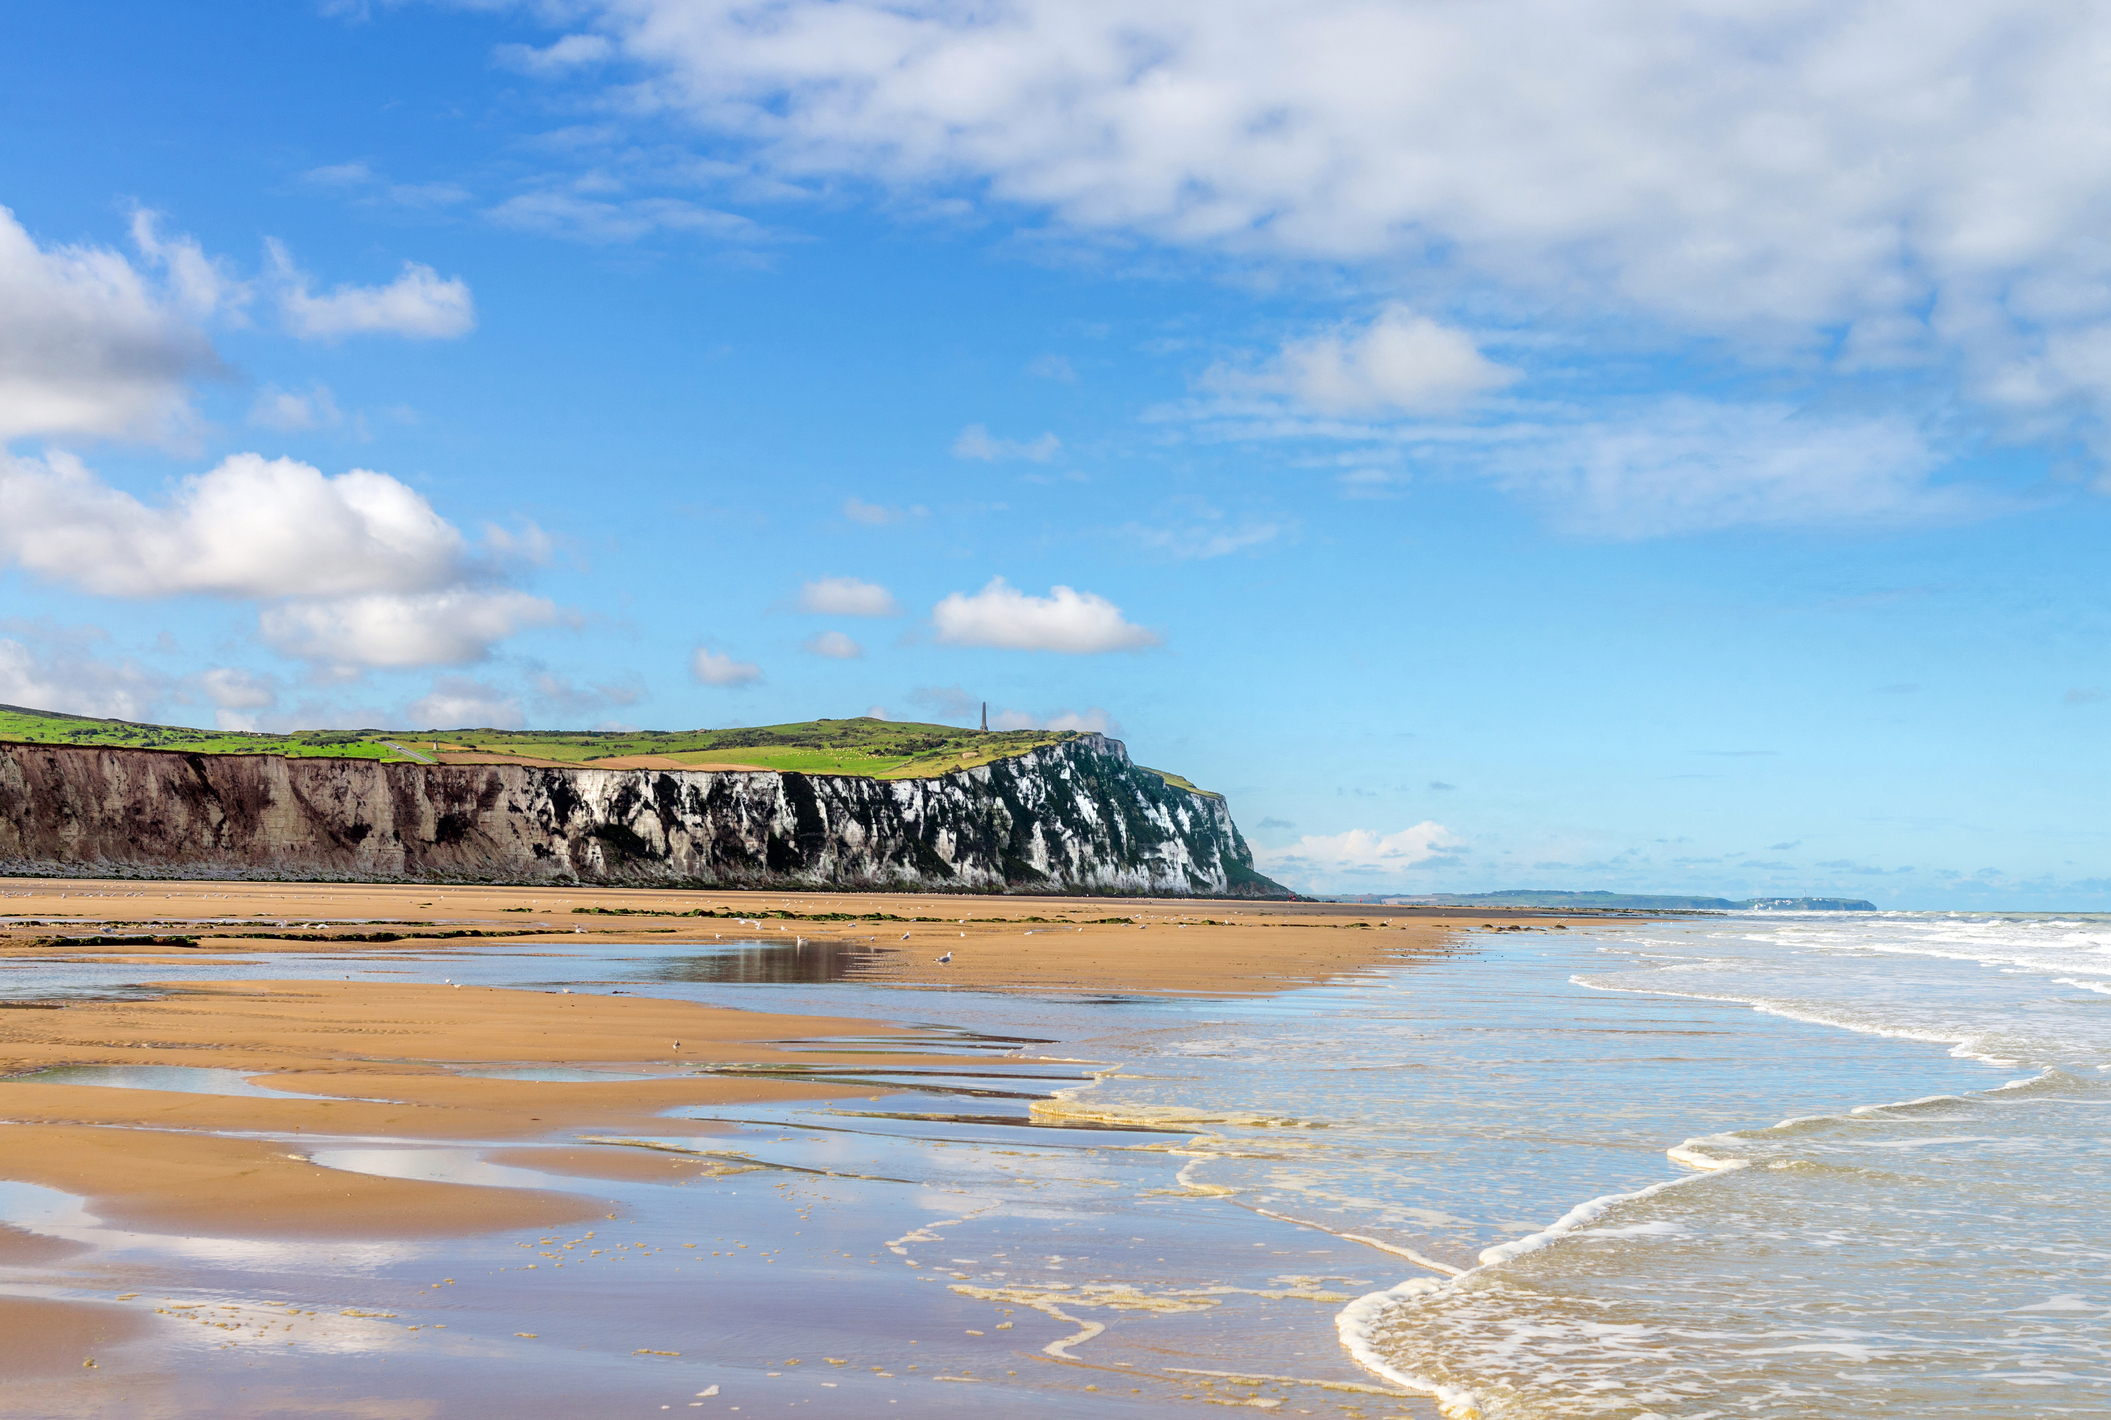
946 958
905 936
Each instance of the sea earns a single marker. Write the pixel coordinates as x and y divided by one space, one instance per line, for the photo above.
1770 1165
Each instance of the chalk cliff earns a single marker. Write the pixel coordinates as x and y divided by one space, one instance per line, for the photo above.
1071 817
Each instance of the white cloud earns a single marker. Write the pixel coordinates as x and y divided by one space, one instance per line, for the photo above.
1811 177
251 527
293 410
571 52
846 596
975 443
605 221
237 696
877 515
1687 465
1360 857
460 703
834 645
356 569
1052 367
91 346
1210 535
197 284
1079 623
716 668
417 304
559 691
1873 185
1643 468
232 689
1095 720
450 627
65 677
1400 363
369 187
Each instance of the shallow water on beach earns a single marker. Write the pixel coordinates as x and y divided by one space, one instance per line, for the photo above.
1546 1174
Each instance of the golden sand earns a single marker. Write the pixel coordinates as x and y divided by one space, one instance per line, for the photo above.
384 1059
1152 946
43 1338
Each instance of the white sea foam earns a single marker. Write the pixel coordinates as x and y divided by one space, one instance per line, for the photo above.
1836 1215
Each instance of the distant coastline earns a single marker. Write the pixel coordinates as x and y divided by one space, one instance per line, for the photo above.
1615 901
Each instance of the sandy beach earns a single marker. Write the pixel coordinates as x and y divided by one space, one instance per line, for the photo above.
998 943
449 1065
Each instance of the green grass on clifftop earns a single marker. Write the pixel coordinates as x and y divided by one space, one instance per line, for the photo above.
49 727
879 749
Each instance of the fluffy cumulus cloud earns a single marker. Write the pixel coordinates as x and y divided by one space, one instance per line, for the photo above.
846 596
354 570
835 646
92 344
1400 363
96 343
1361 859
717 668
418 304
1001 616
450 627
251 527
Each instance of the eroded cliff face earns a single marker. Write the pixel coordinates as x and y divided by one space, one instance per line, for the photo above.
1070 817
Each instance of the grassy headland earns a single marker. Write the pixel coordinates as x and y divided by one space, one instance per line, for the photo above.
877 749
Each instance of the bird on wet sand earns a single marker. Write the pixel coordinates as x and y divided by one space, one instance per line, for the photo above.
946 958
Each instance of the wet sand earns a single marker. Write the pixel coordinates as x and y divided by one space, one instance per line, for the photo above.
361 1060
1112 945
378 1058
45 1338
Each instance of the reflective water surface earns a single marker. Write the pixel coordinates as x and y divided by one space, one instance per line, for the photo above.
1768 1166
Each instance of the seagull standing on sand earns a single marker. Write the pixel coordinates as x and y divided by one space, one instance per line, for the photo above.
946 958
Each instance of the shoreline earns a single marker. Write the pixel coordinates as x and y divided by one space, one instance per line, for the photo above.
366 1064
1119 945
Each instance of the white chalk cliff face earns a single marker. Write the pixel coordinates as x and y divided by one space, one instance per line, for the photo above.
1070 817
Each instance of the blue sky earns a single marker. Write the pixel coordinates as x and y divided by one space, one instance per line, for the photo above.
1650 449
